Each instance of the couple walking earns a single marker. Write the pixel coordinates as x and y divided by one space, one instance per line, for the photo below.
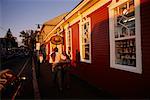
60 65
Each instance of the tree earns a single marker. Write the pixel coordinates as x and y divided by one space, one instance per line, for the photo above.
25 37
9 34
28 38
10 39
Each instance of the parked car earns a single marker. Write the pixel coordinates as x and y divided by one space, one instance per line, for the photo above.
9 83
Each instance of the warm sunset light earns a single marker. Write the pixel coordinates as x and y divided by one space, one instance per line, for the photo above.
80 49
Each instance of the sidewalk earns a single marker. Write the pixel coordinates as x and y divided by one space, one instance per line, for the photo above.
78 89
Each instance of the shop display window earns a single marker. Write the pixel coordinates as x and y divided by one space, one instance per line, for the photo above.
125 35
85 40
69 42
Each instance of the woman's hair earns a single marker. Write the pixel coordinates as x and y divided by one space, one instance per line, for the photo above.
53 55
56 49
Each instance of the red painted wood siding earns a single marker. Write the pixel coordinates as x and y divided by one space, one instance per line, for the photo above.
145 39
75 40
100 48
64 35
117 82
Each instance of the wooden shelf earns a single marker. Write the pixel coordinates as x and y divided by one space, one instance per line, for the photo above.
125 38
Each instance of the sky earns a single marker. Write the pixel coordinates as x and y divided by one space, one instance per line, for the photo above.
21 15
0 15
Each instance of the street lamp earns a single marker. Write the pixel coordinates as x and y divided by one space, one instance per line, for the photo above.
39 37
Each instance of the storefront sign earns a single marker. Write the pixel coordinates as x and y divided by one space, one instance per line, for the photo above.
57 39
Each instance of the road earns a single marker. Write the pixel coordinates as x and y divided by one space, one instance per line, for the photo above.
22 66
44 88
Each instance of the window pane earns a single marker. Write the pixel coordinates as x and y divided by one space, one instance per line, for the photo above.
125 20
87 51
85 41
125 52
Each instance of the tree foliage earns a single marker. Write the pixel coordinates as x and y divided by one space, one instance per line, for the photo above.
28 38
25 37
11 40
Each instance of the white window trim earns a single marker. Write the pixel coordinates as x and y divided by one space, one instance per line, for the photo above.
138 68
66 31
80 39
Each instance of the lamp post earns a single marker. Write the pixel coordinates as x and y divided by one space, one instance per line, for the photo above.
39 34
38 41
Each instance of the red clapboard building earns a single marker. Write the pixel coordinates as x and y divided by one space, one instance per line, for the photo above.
113 40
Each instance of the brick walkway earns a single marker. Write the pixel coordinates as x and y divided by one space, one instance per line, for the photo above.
78 89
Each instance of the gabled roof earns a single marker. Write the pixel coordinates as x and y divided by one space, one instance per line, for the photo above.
69 15
50 24
56 20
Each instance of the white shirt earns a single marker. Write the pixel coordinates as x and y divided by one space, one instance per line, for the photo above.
63 57
57 58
